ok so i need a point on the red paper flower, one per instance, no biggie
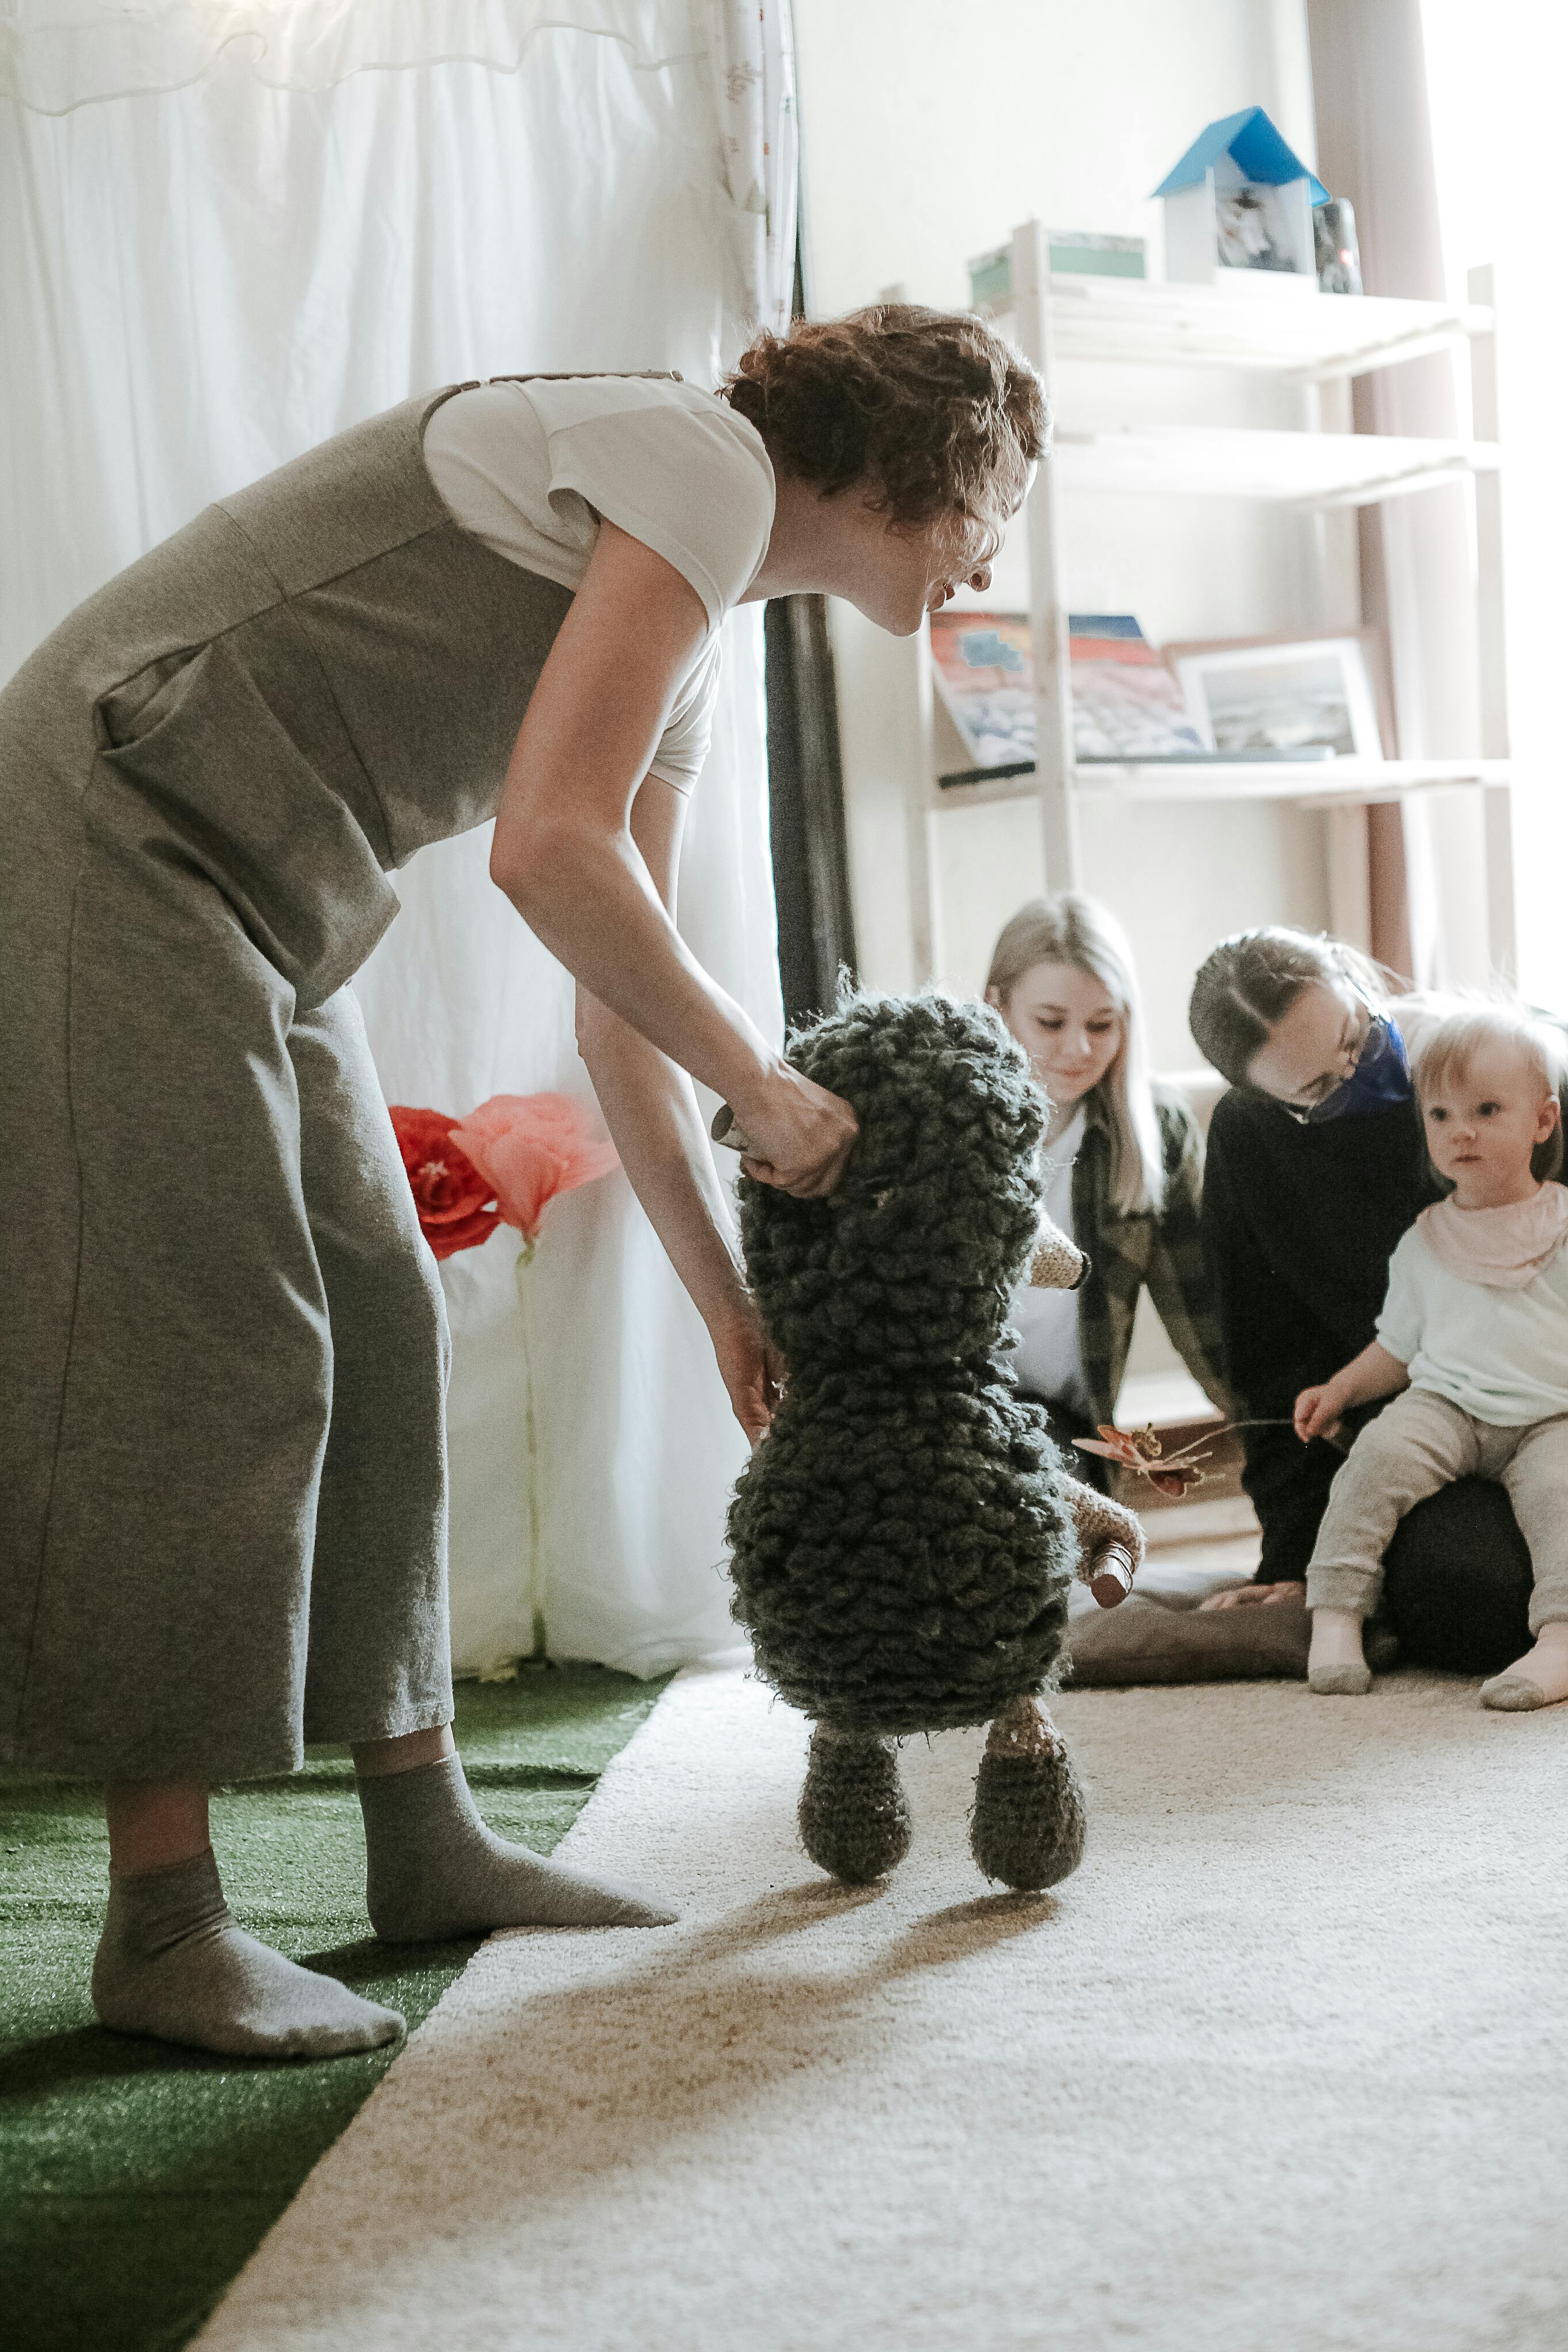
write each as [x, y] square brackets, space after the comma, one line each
[528, 1148]
[457, 1205]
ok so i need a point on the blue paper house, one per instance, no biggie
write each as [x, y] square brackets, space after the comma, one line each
[1240, 199]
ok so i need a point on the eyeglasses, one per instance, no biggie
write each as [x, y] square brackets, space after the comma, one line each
[1368, 1043]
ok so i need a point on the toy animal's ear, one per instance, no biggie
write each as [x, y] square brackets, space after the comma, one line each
[1056, 1264]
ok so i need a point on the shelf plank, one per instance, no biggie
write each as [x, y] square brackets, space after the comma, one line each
[1247, 323]
[1275, 468]
[1321, 782]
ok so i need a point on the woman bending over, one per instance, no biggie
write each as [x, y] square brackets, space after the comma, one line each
[1127, 1157]
[223, 1470]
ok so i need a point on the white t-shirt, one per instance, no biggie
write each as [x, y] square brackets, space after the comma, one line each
[532, 468]
[1048, 1361]
[1501, 1355]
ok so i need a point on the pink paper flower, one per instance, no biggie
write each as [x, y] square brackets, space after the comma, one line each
[528, 1148]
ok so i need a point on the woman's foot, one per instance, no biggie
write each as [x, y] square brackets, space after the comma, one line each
[172, 1963]
[435, 1871]
[1336, 1664]
[1538, 1679]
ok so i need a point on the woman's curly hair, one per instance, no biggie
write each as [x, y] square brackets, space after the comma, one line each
[931, 411]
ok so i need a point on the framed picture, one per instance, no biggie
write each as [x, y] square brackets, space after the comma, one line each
[984, 676]
[1285, 694]
[1126, 705]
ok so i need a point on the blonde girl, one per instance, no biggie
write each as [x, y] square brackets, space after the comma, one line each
[1127, 1157]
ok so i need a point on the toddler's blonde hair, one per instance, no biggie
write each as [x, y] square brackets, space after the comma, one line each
[1446, 1048]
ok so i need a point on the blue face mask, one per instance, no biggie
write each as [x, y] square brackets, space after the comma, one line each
[1381, 1079]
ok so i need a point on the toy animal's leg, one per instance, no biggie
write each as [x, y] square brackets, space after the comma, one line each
[853, 1822]
[1029, 1823]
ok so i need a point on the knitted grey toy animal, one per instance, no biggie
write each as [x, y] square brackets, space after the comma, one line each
[904, 1539]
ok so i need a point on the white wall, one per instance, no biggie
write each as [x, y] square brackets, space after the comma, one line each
[1496, 107]
[929, 131]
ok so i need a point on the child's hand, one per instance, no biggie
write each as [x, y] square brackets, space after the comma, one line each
[1317, 1411]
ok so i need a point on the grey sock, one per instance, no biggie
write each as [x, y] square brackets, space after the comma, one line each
[434, 1870]
[1350, 1681]
[1512, 1694]
[172, 1963]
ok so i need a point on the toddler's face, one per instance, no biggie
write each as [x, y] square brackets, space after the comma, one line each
[1483, 1122]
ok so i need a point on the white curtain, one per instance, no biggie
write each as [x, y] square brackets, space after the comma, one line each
[228, 230]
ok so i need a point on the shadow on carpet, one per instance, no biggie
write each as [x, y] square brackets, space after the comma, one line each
[135, 2179]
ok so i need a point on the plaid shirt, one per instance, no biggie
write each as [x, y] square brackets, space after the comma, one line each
[1128, 1254]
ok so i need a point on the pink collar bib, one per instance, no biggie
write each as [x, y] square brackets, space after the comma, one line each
[1504, 1248]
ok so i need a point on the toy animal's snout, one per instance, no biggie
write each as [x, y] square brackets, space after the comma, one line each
[1056, 1264]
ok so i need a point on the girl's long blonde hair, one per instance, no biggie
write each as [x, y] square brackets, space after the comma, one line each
[1071, 928]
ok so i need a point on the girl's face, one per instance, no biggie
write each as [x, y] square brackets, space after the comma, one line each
[1482, 1125]
[1068, 1024]
[1314, 1046]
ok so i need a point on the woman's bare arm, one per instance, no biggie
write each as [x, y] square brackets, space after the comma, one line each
[653, 1114]
[565, 855]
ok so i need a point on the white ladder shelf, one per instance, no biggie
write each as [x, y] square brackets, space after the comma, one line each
[1313, 338]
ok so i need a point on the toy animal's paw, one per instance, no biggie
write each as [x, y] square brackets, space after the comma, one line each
[853, 1822]
[1028, 1824]
[1100, 1521]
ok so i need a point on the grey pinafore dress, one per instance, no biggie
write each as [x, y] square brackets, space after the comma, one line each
[222, 1452]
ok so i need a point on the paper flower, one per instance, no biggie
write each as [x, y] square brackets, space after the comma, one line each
[456, 1201]
[528, 1148]
[1141, 1450]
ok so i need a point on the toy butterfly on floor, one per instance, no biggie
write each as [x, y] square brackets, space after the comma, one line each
[1168, 1474]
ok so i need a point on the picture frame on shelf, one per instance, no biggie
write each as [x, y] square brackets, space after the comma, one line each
[1126, 705]
[1302, 691]
[983, 671]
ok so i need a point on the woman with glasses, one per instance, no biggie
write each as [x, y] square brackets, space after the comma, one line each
[1316, 1167]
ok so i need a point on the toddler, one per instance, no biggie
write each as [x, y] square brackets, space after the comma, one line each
[1474, 1331]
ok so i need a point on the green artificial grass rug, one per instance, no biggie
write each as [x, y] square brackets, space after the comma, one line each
[135, 2179]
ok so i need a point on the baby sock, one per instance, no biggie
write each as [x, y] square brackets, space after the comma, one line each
[1538, 1679]
[1336, 1664]
[172, 1963]
[434, 1870]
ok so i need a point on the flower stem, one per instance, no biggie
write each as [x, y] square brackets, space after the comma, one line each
[532, 1470]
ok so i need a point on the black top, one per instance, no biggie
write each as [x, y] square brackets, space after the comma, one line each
[1298, 1224]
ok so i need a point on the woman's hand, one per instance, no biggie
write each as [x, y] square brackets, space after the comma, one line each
[751, 1370]
[799, 1136]
[1245, 1596]
[1318, 1411]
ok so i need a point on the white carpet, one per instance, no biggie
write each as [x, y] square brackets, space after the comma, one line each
[1280, 2070]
